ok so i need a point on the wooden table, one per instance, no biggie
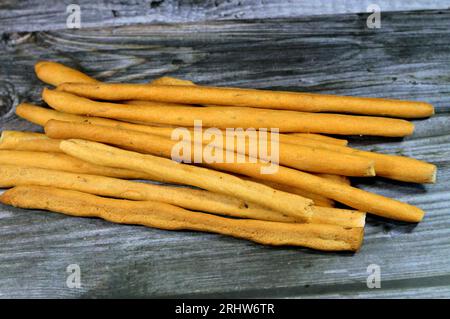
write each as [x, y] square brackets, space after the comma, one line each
[408, 57]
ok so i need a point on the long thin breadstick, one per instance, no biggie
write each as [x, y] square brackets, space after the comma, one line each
[322, 138]
[56, 73]
[63, 162]
[395, 167]
[39, 115]
[304, 102]
[28, 141]
[193, 199]
[304, 158]
[223, 117]
[351, 196]
[290, 204]
[166, 216]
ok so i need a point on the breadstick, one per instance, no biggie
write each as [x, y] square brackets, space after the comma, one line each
[28, 141]
[304, 158]
[193, 199]
[294, 101]
[63, 162]
[56, 73]
[290, 204]
[39, 115]
[166, 216]
[322, 138]
[226, 117]
[395, 167]
[348, 195]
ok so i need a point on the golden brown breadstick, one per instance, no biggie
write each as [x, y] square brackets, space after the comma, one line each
[40, 116]
[289, 204]
[166, 216]
[304, 158]
[322, 138]
[227, 117]
[63, 162]
[28, 141]
[351, 196]
[305, 102]
[193, 199]
[395, 167]
[56, 73]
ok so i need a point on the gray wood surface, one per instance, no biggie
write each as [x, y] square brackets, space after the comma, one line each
[407, 58]
[38, 15]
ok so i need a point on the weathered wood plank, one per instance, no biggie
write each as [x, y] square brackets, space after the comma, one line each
[316, 54]
[35, 15]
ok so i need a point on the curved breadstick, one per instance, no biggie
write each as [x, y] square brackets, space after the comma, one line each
[351, 196]
[63, 162]
[304, 102]
[166, 216]
[28, 141]
[226, 117]
[56, 73]
[304, 158]
[193, 199]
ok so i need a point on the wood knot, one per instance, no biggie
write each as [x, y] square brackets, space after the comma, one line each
[8, 98]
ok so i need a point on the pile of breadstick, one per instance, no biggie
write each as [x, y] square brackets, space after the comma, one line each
[102, 141]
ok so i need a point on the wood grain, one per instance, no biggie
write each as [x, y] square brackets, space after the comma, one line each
[36, 15]
[407, 58]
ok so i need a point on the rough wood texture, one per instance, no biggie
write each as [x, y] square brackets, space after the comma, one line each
[37, 15]
[407, 58]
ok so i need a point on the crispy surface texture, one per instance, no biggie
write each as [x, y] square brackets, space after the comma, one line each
[300, 157]
[346, 194]
[225, 117]
[63, 162]
[28, 141]
[192, 199]
[305, 102]
[289, 204]
[169, 217]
